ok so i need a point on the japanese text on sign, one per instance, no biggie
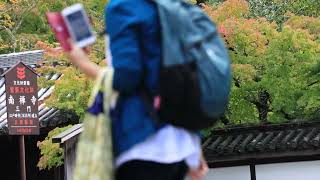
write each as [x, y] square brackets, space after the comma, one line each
[22, 100]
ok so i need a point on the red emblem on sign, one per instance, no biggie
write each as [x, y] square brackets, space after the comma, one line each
[21, 74]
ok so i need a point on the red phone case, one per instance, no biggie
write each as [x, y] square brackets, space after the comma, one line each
[59, 28]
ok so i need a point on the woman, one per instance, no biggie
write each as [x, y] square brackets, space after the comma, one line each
[143, 147]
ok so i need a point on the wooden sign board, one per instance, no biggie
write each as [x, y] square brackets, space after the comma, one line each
[22, 100]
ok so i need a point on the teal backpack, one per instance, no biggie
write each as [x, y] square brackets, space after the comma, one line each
[195, 75]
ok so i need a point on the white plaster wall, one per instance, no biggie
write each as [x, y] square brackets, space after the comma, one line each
[306, 170]
[229, 173]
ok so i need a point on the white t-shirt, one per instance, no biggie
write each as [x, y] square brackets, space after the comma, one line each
[169, 145]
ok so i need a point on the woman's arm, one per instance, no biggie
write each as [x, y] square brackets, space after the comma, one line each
[80, 59]
[122, 25]
[198, 174]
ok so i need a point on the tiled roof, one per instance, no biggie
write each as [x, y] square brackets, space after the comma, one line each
[28, 58]
[47, 116]
[263, 142]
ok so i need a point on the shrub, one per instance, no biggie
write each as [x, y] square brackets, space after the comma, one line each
[311, 24]
[51, 153]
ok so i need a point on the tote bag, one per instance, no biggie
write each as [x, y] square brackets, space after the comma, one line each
[94, 158]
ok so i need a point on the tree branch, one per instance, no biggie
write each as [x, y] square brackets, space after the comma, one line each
[313, 83]
[24, 14]
[12, 36]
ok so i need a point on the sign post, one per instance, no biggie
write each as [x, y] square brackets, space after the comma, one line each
[22, 158]
[22, 105]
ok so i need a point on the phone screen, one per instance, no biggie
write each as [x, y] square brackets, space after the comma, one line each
[79, 26]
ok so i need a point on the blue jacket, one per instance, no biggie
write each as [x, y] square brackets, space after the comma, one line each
[134, 32]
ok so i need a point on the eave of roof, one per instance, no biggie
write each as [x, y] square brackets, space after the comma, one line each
[27, 57]
[68, 134]
[263, 144]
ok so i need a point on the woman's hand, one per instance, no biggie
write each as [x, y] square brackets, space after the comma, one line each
[198, 174]
[79, 58]
[77, 54]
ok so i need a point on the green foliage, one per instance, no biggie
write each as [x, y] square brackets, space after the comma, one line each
[275, 73]
[44, 83]
[23, 22]
[211, 2]
[305, 7]
[51, 153]
[310, 24]
[39, 25]
[229, 9]
[71, 92]
[73, 89]
[241, 109]
[275, 10]
[290, 57]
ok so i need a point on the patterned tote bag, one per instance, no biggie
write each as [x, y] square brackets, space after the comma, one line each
[94, 159]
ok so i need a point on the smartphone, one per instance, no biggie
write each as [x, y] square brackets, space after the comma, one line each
[78, 25]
